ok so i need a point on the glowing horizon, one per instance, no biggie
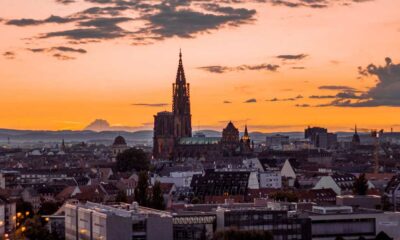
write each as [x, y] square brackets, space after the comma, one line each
[274, 66]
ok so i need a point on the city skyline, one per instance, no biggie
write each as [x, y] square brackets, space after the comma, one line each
[274, 65]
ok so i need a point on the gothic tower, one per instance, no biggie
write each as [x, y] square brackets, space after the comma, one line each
[169, 127]
[181, 104]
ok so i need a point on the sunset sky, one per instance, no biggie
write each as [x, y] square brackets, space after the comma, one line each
[277, 65]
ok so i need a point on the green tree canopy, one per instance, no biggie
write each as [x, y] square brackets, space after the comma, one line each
[133, 159]
[48, 208]
[284, 196]
[360, 186]
[157, 200]
[141, 196]
[121, 197]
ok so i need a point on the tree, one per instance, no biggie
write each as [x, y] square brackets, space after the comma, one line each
[33, 229]
[133, 159]
[141, 189]
[383, 236]
[48, 208]
[235, 234]
[157, 199]
[360, 186]
[284, 196]
[121, 197]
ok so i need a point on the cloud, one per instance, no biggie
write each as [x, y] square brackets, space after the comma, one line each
[227, 102]
[386, 92]
[224, 69]
[59, 48]
[336, 88]
[69, 49]
[215, 69]
[284, 99]
[251, 100]
[157, 20]
[63, 57]
[321, 96]
[292, 57]
[23, 22]
[185, 23]
[150, 104]
[303, 105]
[98, 28]
[298, 68]
[60, 51]
[9, 55]
[65, 1]
[316, 4]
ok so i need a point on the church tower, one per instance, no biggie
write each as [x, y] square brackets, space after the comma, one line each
[181, 104]
[170, 127]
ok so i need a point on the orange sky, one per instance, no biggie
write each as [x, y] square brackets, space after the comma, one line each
[39, 91]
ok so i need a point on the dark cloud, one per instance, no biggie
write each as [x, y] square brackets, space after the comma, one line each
[386, 92]
[322, 96]
[69, 49]
[316, 4]
[336, 88]
[9, 55]
[227, 102]
[150, 104]
[60, 51]
[23, 22]
[98, 28]
[285, 99]
[159, 20]
[292, 57]
[224, 69]
[303, 105]
[65, 1]
[251, 100]
[170, 21]
[59, 48]
[298, 68]
[63, 57]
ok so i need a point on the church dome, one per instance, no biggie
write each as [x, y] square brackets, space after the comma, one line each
[119, 141]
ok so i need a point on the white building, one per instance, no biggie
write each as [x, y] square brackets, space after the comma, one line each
[180, 179]
[287, 170]
[7, 216]
[340, 183]
[122, 222]
[270, 179]
[329, 222]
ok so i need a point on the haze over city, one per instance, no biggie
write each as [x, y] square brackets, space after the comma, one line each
[274, 65]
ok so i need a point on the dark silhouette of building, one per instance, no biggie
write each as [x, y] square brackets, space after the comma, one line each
[170, 127]
[173, 131]
[230, 139]
[356, 138]
[320, 137]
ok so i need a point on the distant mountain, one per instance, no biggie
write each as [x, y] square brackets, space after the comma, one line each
[107, 137]
[100, 125]
[19, 136]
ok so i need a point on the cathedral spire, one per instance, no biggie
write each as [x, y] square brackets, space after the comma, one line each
[246, 136]
[180, 75]
[181, 103]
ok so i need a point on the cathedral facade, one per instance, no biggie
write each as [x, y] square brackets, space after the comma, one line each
[173, 131]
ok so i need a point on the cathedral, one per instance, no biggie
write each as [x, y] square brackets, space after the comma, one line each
[173, 131]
